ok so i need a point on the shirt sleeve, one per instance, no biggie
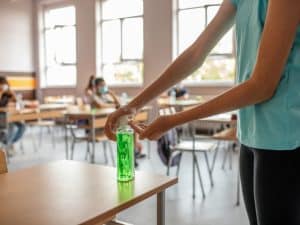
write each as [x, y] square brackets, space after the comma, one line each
[235, 2]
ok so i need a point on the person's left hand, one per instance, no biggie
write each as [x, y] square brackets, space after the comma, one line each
[154, 130]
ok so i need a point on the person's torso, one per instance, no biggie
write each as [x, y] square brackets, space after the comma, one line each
[5, 98]
[274, 123]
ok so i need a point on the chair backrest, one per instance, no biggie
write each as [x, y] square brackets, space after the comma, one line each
[165, 143]
[3, 165]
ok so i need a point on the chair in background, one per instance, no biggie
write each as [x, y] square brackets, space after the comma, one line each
[3, 164]
[143, 117]
[49, 125]
[228, 136]
[192, 145]
[80, 133]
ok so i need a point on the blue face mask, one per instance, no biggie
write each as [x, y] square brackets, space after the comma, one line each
[103, 90]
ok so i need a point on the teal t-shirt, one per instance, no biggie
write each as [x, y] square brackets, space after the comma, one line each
[274, 124]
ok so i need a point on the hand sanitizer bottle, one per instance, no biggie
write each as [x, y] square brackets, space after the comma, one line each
[125, 151]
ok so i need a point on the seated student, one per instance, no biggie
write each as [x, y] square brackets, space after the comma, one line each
[98, 94]
[180, 91]
[15, 129]
[105, 98]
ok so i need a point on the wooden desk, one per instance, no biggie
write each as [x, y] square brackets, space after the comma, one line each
[165, 102]
[71, 193]
[30, 115]
[44, 107]
[44, 111]
[96, 119]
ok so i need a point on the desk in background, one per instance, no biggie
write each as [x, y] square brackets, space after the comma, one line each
[95, 119]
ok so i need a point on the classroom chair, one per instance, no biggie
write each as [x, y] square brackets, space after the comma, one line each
[192, 145]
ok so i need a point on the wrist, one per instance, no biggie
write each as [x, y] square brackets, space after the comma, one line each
[127, 110]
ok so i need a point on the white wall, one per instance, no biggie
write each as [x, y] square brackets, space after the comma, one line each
[16, 36]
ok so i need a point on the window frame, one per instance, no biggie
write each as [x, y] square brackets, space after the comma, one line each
[202, 83]
[45, 9]
[100, 23]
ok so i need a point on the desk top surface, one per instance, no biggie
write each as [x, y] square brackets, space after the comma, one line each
[68, 192]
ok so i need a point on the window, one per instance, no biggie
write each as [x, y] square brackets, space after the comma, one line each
[192, 18]
[122, 41]
[60, 47]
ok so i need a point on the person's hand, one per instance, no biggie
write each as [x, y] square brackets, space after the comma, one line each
[156, 129]
[112, 122]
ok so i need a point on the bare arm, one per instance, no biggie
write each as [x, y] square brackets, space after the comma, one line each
[115, 98]
[280, 29]
[183, 66]
[192, 58]
[278, 36]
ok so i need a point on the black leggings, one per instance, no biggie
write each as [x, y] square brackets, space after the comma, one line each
[271, 186]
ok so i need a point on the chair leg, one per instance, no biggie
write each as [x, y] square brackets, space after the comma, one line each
[22, 146]
[215, 157]
[72, 149]
[225, 158]
[209, 169]
[105, 152]
[178, 168]
[33, 140]
[40, 136]
[53, 137]
[169, 166]
[199, 176]
[194, 175]
[87, 150]
[149, 149]
[230, 147]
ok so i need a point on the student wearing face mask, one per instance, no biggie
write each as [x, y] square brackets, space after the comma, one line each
[103, 97]
[15, 129]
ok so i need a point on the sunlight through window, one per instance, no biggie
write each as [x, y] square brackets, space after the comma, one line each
[60, 46]
[122, 41]
[193, 17]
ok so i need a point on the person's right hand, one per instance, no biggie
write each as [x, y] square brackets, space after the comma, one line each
[112, 122]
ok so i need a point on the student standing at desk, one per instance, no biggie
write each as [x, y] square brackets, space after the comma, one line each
[267, 94]
[15, 129]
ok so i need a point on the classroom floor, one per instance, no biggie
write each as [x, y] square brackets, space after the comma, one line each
[217, 209]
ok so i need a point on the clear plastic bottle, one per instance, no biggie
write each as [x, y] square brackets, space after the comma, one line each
[125, 151]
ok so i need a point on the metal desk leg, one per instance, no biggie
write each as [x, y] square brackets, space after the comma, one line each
[194, 175]
[161, 208]
[149, 148]
[93, 139]
[66, 138]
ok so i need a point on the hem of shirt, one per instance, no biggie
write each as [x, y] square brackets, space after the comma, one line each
[269, 147]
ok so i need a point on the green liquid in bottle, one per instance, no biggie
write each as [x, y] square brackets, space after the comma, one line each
[125, 154]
